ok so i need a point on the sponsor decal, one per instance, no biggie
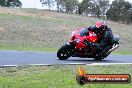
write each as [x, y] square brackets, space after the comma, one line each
[83, 78]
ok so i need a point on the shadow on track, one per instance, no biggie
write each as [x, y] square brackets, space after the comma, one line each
[85, 60]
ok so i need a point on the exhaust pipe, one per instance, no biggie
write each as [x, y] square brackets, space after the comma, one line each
[113, 48]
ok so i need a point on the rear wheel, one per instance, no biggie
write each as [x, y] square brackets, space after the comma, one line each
[102, 54]
[65, 52]
[99, 58]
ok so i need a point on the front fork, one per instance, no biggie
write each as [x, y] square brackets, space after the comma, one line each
[71, 47]
[70, 44]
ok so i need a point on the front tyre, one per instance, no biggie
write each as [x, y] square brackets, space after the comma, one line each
[65, 52]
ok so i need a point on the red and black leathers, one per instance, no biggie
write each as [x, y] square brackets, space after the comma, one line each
[105, 36]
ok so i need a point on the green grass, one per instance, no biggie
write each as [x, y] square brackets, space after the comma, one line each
[48, 49]
[28, 45]
[57, 21]
[58, 76]
[16, 16]
[26, 48]
[49, 32]
[122, 52]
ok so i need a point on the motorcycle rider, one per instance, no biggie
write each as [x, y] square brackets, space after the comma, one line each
[105, 36]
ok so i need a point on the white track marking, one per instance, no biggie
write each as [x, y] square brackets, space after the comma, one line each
[93, 64]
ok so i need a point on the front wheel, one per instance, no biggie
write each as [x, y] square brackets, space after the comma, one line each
[65, 52]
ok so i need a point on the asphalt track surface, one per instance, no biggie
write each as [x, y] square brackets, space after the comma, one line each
[50, 58]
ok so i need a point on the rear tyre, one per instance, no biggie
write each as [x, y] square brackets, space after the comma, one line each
[99, 58]
[65, 52]
[101, 55]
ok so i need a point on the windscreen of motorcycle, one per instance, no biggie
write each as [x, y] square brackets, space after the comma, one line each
[84, 32]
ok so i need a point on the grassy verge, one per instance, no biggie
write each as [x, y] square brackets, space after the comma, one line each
[46, 49]
[59, 76]
[49, 31]
[122, 52]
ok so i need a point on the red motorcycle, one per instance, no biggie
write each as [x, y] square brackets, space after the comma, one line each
[77, 47]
